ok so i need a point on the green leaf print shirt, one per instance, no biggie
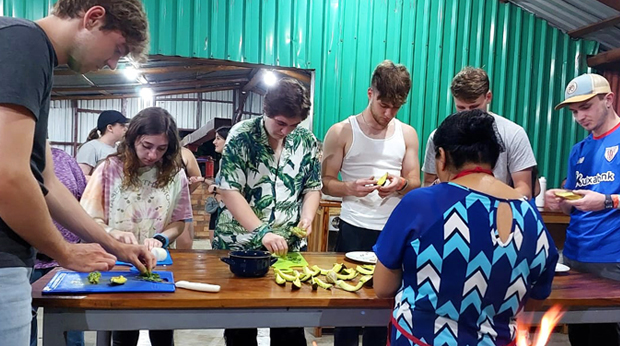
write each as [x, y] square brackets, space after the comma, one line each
[274, 190]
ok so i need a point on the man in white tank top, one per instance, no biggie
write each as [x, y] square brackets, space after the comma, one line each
[363, 148]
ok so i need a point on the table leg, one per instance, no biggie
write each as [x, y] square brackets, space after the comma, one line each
[104, 338]
[53, 332]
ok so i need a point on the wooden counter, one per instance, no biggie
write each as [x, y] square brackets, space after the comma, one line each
[556, 223]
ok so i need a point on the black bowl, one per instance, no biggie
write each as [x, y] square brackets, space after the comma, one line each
[249, 263]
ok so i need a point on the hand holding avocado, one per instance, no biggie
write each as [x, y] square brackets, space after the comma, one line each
[361, 187]
[391, 184]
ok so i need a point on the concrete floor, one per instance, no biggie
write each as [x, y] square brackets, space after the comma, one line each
[214, 337]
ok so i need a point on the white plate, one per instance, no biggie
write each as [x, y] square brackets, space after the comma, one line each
[362, 256]
[561, 268]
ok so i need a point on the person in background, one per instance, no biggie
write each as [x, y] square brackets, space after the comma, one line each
[470, 89]
[454, 254]
[269, 182]
[361, 149]
[192, 171]
[593, 234]
[70, 175]
[85, 35]
[213, 204]
[141, 195]
[101, 141]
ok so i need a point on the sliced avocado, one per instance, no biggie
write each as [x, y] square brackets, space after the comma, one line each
[279, 279]
[118, 280]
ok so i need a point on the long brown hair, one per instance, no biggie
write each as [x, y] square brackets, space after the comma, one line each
[150, 121]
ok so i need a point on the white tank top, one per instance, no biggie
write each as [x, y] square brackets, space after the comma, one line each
[371, 157]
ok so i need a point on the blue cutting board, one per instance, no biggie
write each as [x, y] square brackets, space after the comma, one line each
[74, 282]
[165, 262]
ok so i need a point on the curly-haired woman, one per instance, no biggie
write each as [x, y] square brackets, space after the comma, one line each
[141, 194]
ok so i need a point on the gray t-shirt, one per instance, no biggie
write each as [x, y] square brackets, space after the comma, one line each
[94, 151]
[518, 155]
[27, 61]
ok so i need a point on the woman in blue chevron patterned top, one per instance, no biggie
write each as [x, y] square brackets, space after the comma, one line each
[462, 257]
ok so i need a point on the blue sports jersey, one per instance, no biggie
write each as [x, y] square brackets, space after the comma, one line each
[594, 236]
[461, 284]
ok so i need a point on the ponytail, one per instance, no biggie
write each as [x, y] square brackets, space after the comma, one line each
[93, 134]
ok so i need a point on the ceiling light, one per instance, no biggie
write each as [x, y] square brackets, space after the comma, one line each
[269, 78]
[131, 73]
[146, 93]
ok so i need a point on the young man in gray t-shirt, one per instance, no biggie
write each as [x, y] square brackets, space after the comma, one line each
[470, 89]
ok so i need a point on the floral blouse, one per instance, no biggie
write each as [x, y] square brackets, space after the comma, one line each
[144, 211]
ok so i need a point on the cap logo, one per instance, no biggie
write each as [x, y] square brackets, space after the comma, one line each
[571, 88]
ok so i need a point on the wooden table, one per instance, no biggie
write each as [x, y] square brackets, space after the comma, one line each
[241, 303]
[554, 217]
[260, 302]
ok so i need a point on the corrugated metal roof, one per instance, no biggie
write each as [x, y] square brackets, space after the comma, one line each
[569, 15]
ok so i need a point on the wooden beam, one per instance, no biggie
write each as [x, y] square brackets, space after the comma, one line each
[295, 72]
[297, 75]
[204, 68]
[611, 3]
[154, 86]
[608, 57]
[588, 29]
[256, 76]
[136, 95]
[92, 111]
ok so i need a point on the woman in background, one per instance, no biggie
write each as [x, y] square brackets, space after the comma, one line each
[70, 175]
[101, 141]
[190, 165]
[462, 257]
[141, 194]
[212, 204]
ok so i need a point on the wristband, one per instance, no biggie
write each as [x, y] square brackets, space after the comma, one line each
[163, 239]
[404, 185]
[616, 200]
[261, 230]
[609, 203]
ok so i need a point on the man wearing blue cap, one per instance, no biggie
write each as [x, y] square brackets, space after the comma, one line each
[593, 235]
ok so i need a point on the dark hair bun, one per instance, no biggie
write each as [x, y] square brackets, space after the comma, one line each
[469, 137]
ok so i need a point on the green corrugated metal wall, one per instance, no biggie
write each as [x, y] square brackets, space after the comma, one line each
[529, 61]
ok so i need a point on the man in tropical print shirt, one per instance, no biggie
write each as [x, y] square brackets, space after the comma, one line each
[270, 182]
[270, 176]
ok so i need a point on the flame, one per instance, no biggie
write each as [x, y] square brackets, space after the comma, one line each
[549, 320]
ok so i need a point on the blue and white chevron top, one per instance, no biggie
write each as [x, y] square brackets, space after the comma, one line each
[461, 284]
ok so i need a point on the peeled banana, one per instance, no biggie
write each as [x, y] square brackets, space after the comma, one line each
[348, 287]
[279, 279]
[316, 282]
[349, 274]
[296, 284]
[299, 232]
[285, 276]
[568, 195]
[382, 180]
[365, 271]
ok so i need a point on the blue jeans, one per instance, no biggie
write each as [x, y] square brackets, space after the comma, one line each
[15, 308]
[73, 337]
